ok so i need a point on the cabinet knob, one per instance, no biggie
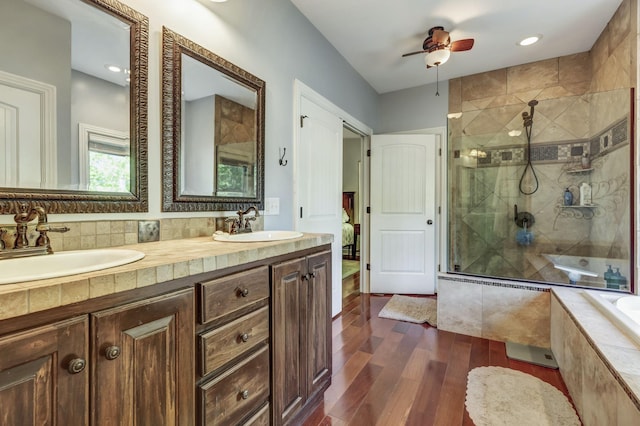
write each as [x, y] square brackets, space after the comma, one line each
[112, 352]
[76, 365]
[309, 275]
[244, 292]
[244, 337]
[244, 394]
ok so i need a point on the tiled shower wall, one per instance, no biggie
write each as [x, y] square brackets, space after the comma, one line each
[570, 119]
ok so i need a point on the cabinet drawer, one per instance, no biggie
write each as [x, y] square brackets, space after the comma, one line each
[240, 390]
[223, 344]
[261, 418]
[232, 293]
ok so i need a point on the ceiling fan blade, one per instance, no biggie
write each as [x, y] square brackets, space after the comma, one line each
[440, 36]
[414, 53]
[461, 45]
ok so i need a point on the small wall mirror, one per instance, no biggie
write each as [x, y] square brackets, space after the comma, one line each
[213, 130]
[73, 106]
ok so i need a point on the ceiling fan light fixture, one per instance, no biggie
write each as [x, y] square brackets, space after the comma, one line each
[437, 57]
[528, 41]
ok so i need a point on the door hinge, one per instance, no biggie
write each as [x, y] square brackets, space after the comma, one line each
[438, 268]
[300, 212]
[368, 210]
[440, 152]
[368, 267]
[439, 210]
[368, 153]
[302, 117]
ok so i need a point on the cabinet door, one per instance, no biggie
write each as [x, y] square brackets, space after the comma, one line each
[288, 325]
[144, 363]
[318, 354]
[43, 379]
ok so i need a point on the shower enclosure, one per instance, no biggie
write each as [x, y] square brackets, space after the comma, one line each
[509, 212]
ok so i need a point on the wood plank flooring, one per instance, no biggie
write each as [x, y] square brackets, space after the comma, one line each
[388, 372]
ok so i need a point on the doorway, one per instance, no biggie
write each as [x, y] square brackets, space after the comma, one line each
[318, 140]
[352, 150]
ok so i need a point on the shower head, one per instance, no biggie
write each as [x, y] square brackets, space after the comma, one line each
[532, 103]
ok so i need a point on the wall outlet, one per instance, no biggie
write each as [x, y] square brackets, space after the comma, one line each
[148, 231]
[271, 206]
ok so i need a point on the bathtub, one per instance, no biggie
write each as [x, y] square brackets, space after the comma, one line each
[622, 310]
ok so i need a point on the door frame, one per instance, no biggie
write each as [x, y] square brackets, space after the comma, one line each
[301, 90]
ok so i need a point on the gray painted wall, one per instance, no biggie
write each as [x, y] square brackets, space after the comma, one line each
[274, 41]
[413, 109]
[42, 52]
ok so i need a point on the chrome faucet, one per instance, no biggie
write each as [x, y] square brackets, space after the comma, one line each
[241, 224]
[21, 246]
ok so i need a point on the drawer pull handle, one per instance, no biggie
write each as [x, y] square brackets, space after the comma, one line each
[244, 394]
[76, 365]
[112, 352]
[244, 337]
[244, 292]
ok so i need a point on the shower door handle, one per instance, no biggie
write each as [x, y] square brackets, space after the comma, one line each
[429, 222]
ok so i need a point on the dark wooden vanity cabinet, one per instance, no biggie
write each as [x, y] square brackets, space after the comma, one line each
[43, 375]
[249, 344]
[301, 334]
[233, 348]
[132, 364]
[143, 362]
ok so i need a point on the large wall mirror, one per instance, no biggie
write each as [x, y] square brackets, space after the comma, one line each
[213, 130]
[73, 106]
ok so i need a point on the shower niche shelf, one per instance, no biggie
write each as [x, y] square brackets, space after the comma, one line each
[577, 206]
[579, 171]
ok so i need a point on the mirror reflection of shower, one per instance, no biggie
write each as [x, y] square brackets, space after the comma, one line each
[523, 186]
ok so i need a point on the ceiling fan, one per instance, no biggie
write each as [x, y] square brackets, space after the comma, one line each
[438, 46]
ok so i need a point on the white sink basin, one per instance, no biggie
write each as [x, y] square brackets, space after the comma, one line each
[64, 263]
[257, 236]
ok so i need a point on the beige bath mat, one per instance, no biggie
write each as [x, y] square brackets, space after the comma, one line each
[502, 396]
[411, 309]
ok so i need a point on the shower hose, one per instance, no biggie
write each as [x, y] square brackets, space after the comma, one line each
[527, 130]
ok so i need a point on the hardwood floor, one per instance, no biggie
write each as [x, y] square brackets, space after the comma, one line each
[388, 372]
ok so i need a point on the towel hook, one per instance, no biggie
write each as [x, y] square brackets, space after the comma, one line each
[282, 161]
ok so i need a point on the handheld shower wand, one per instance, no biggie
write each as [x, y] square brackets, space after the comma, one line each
[528, 125]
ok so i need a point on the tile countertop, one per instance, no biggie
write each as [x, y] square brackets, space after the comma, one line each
[163, 261]
[618, 351]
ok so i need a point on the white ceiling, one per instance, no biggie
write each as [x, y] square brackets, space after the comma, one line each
[372, 35]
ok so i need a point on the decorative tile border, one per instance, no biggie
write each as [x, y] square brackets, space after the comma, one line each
[495, 283]
[613, 137]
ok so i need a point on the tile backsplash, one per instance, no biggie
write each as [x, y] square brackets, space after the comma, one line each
[113, 233]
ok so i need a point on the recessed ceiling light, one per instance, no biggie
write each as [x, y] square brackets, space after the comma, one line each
[113, 68]
[454, 115]
[514, 133]
[529, 40]
[218, 1]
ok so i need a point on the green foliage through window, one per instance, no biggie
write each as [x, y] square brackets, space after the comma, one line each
[109, 172]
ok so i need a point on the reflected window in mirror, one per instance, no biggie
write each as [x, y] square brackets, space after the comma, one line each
[69, 65]
[213, 130]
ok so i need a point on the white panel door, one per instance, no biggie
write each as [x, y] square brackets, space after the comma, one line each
[403, 213]
[319, 183]
[20, 138]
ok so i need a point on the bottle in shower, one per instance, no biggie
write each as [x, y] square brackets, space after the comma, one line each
[585, 194]
[568, 197]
